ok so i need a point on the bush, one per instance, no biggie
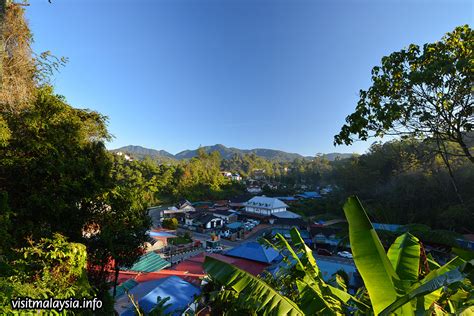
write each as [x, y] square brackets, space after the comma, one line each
[170, 223]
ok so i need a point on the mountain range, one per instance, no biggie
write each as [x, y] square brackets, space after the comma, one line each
[225, 152]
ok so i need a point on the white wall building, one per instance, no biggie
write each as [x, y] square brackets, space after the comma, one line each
[265, 205]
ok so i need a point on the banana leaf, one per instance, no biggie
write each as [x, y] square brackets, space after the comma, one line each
[434, 284]
[252, 291]
[404, 254]
[379, 276]
[316, 296]
[464, 254]
[308, 258]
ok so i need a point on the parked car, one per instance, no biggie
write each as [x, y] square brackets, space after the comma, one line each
[345, 254]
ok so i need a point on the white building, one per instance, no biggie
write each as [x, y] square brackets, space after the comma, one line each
[254, 189]
[265, 205]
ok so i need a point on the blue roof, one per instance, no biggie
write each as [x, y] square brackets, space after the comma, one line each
[160, 234]
[254, 251]
[234, 225]
[389, 227]
[180, 292]
[286, 198]
[309, 195]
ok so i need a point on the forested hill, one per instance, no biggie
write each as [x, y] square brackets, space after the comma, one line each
[225, 152]
[142, 152]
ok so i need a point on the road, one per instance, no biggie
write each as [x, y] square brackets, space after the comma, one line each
[335, 259]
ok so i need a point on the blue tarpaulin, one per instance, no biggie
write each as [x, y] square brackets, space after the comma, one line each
[180, 292]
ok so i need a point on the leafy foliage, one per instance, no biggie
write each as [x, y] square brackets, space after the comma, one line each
[419, 92]
[393, 282]
[52, 267]
[253, 292]
[170, 223]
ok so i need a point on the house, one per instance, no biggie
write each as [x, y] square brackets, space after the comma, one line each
[265, 206]
[236, 177]
[205, 221]
[149, 262]
[286, 198]
[227, 216]
[185, 206]
[178, 211]
[254, 189]
[286, 214]
[157, 240]
[181, 296]
[309, 195]
[195, 264]
[226, 174]
[255, 252]
[125, 156]
[288, 223]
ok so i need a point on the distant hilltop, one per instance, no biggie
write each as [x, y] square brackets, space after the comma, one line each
[225, 152]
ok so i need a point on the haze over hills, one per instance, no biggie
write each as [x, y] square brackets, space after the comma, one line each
[225, 152]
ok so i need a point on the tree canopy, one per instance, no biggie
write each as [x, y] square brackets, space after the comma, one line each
[420, 92]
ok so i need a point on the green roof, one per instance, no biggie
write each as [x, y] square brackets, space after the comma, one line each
[125, 286]
[150, 262]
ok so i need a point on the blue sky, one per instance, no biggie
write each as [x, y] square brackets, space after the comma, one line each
[176, 74]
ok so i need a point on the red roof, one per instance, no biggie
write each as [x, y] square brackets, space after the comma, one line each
[143, 277]
[194, 264]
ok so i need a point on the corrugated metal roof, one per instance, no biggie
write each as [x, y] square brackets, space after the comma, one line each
[125, 286]
[180, 292]
[254, 251]
[150, 262]
[265, 202]
[286, 214]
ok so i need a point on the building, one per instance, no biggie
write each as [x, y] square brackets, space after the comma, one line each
[178, 211]
[204, 221]
[227, 216]
[309, 195]
[265, 206]
[149, 262]
[255, 252]
[236, 177]
[181, 296]
[254, 189]
[157, 240]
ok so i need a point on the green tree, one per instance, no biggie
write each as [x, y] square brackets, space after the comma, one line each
[51, 267]
[420, 92]
[54, 163]
[121, 222]
[170, 223]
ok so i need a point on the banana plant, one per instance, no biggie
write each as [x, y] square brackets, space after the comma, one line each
[392, 280]
[250, 291]
[396, 282]
[313, 295]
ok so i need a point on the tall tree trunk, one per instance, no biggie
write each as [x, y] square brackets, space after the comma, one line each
[116, 279]
[444, 155]
[3, 5]
[464, 147]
